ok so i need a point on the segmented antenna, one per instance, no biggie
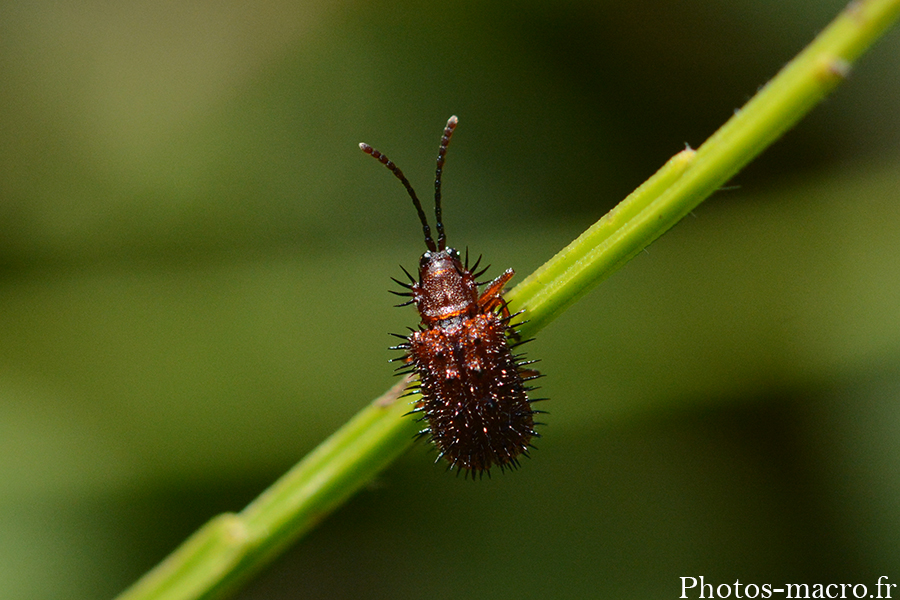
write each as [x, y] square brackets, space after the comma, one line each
[412, 193]
[445, 141]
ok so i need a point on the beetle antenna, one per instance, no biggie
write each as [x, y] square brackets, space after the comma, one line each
[445, 141]
[412, 193]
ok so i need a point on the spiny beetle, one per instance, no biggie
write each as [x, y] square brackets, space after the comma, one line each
[474, 395]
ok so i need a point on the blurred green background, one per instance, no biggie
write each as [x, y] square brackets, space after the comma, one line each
[194, 264]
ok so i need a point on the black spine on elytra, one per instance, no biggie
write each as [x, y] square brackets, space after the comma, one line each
[442, 151]
[412, 193]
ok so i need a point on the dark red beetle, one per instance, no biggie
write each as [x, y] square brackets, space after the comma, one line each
[474, 395]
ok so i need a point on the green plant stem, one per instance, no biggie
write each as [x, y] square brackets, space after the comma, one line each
[232, 547]
[689, 178]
